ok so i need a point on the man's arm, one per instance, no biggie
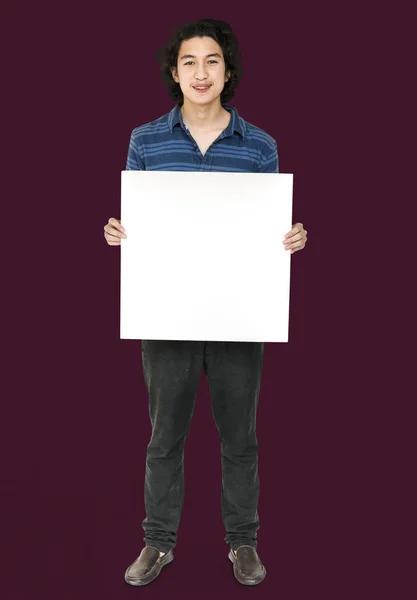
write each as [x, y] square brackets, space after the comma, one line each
[114, 230]
[134, 160]
[269, 163]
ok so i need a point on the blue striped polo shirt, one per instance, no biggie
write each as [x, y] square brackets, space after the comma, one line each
[166, 145]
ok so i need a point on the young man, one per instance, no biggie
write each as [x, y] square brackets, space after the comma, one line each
[201, 65]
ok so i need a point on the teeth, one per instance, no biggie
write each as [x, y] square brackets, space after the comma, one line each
[202, 88]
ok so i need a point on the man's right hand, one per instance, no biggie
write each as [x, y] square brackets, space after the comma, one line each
[113, 232]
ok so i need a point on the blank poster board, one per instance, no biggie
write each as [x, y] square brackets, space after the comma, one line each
[204, 258]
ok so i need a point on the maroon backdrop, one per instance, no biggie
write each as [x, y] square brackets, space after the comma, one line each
[80, 78]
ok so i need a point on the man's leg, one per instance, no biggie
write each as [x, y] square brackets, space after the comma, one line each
[233, 371]
[172, 371]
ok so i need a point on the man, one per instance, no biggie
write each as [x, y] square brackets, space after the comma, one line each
[201, 65]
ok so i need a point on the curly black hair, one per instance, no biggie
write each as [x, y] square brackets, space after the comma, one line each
[222, 33]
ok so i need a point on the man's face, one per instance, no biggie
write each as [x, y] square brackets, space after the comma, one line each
[200, 63]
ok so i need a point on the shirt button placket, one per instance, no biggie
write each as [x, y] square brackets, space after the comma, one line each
[204, 161]
[195, 144]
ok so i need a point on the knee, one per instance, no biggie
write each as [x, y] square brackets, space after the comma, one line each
[165, 444]
[239, 446]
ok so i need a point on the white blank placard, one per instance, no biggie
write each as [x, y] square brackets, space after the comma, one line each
[204, 258]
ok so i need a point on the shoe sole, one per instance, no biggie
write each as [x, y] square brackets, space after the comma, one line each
[169, 557]
[245, 580]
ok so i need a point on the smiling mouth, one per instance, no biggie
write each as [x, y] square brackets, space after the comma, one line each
[201, 88]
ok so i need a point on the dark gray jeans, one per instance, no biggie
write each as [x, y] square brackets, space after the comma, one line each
[172, 371]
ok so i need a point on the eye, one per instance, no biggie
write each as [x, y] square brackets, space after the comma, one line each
[191, 61]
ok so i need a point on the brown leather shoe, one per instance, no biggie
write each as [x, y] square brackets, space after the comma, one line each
[147, 566]
[247, 566]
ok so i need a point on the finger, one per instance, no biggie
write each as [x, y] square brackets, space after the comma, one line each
[114, 232]
[296, 229]
[112, 238]
[296, 249]
[294, 238]
[297, 245]
[116, 223]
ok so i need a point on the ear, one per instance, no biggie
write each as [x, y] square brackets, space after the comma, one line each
[174, 74]
[227, 76]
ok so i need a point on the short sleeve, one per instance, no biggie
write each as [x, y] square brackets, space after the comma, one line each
[134, 160]
[269, 163]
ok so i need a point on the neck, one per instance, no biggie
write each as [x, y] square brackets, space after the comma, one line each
[203, 117]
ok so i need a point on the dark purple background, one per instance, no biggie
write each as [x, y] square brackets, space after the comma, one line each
[79, 78]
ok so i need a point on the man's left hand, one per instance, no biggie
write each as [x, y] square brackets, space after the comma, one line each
[296, 238]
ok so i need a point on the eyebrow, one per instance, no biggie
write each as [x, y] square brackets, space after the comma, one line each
[192, 55]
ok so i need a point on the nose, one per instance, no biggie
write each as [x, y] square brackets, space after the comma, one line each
[200, 72]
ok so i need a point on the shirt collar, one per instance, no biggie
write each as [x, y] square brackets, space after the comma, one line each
[236, 122]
